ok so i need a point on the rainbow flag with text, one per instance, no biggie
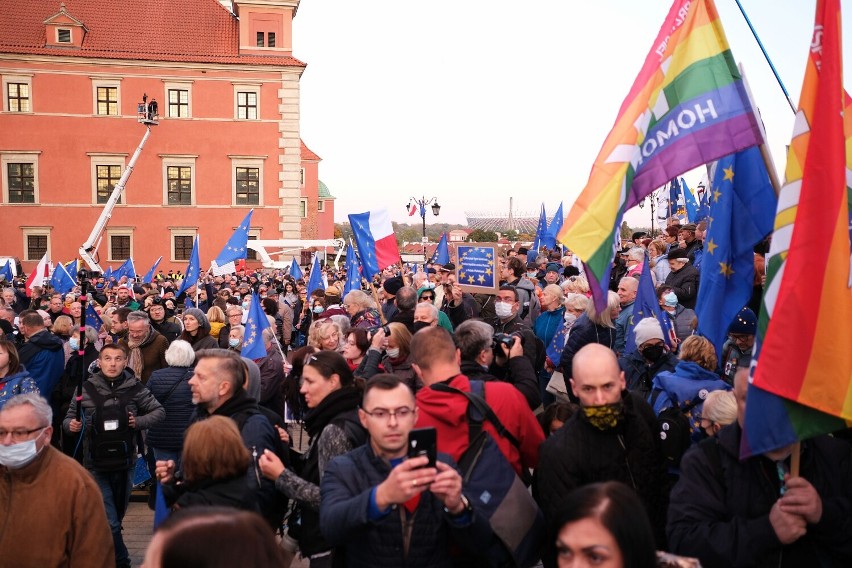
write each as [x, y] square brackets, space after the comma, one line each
[687, 107]
[802, 376]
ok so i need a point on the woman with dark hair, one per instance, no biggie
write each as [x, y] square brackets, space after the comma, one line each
[355, 347]
[390, 354]
[604, 524]
[213, 537]
[213, 468]
[334, 428]
[14, 378]
[196, 330]
[555, 416]
[270, 308]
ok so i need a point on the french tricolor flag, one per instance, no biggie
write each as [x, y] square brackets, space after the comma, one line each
[376, 240]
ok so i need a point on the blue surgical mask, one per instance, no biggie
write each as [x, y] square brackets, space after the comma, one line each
[670, 299]
[246, 306]
[18, 455]
[74, 343]
[531, 274]
[233, 342]
[318, 309]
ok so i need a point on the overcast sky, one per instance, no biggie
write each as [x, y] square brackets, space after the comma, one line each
[477, 101]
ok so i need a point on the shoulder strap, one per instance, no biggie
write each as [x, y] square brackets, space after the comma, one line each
[171, 390]
[481, 406]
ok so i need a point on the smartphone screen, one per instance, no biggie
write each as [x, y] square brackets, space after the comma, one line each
[423, 442]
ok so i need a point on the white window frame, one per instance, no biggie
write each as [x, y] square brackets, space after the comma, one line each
[21, 157]
[246, 162]
[303, 206]
[321, 205]
[99, 82]
[118, 232]
[178, 160]
[35, 232]
[98, 159]
[246, 88]
[180, 86]
[180, 232]
[25, 79]
[70, 35]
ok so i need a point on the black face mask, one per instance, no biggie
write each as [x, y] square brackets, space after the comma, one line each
[653, 353]
[418, 325]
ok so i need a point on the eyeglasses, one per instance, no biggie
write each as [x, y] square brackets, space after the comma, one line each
[384, 414]
[19, 435]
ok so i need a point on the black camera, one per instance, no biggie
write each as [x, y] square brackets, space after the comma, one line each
[372, 331]
[507, 339]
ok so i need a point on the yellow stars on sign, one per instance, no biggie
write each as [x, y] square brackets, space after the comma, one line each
[489, 255]
[470, 279]
[711, 246]
[725, 269]
[461, 275]
[729, 173]
[488, 271]
[481, 279]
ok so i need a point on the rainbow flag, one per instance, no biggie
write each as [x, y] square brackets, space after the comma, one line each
[802, 379]
[687, 107]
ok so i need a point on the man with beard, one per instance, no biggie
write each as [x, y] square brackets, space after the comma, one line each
[147, 347]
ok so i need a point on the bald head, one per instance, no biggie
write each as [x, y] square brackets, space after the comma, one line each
[627, 287]
[596, 377]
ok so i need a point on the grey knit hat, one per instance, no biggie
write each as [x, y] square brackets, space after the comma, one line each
[203, 322]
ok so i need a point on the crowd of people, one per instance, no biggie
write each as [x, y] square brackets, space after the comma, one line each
[163, 381]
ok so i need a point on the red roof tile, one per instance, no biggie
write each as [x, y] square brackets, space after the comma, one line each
[158, 30]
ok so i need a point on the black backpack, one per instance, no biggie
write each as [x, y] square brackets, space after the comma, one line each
[112, 444]
[674, 430]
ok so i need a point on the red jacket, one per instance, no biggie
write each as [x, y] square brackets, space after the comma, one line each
[447, 412]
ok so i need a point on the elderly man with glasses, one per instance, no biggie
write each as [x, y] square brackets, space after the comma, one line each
[53, 513]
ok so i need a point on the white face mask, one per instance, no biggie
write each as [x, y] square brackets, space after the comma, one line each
[570, 318]
[18, 455]
[393, 353]
[503, 310]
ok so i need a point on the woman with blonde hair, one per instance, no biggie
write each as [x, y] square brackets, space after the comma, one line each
[63, 328]
[591, 327]
[576, 285]
[720, 409]
[213, 468]
[693, 378]
[217, 320]
[325, 335]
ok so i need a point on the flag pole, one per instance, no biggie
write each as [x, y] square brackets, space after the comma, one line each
[766, 56]
[795, 459]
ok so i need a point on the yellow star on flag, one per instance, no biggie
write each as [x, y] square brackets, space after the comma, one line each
[470, 279]
[729, 173]
[711, 246]
[716, 195]
[725, 268]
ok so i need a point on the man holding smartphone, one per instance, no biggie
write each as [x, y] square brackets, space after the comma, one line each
[371, 494]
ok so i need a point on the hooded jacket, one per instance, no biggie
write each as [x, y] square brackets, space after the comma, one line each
[447, 413]
[681, 386]
[639, 376]
[15, 384]
[44, 357]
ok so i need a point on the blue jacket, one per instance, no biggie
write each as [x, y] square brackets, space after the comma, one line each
[621, 327]
[18, 383]
[547, 323]
[346, 493]
[168, 434]
[681, 386]
[44, 357]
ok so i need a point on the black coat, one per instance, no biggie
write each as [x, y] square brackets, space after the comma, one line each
[584, 332]
[520, 375]
[684, 282]
[231, 492]
[168, 434]
[639, 375]
[720, 506]
[578, 454]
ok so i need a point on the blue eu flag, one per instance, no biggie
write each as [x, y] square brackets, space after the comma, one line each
[540, 235]
[193, 270]
[256, 322]
[6, 271]
[92, 317]
[236, 247]
[644, 306]
[315, 279]
[296, 270]
[742, 213]
[353, 272]
[61, 280]
[442, 252]
[554, 228]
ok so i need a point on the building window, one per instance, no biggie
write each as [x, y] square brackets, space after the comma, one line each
[270, 42]
[119, 247]
[302, 176]
[303, 208]
[36, 246]
[63, 35]
[21, 182]
[107, 101]
[183, 246]
[260, 39]
[107, 177]
[246, 105]
[251, 254]
[178, 103]
[248, 186]
[18, 97]
[179, 181]
[320, 205]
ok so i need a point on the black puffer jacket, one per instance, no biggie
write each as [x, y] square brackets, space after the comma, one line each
[639, 375]
[346, 490]
[168, 434]
[584, 332]
[720, 506]
[579, 454]
[520, 375]
[684, 282]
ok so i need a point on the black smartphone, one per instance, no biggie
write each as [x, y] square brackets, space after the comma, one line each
[423, 442]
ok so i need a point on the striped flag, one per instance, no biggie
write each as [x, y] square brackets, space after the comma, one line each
[376, 241]
[802, 376]
[688, 106]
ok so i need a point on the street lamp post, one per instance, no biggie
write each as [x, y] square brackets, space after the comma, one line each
[653, 199]
[422, 203]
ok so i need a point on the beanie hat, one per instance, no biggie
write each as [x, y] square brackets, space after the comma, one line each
[553, 267]
[392, 285]
[203, 322]
[648, 329]
[744, 324]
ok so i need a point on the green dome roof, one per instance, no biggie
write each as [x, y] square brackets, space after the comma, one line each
[323, 192]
